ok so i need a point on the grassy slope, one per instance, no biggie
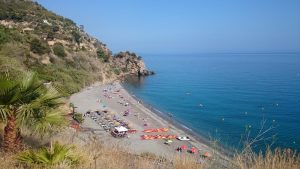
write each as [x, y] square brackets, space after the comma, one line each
[80, 65]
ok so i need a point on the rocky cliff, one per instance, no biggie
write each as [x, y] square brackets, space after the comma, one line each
[131, 63]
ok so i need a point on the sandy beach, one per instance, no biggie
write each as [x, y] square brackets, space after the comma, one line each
[114, 98]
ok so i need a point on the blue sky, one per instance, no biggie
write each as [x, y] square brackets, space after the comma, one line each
[187, 26]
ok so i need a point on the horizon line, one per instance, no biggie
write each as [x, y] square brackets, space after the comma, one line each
[195, 53]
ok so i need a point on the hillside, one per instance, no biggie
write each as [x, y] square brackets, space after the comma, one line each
[61, 52]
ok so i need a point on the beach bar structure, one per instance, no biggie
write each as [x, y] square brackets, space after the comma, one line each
[119, 131]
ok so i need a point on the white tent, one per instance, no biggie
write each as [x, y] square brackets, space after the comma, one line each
[121, 129]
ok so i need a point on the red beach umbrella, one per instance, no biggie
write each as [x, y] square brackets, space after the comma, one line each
[183, 147]
[193, 150]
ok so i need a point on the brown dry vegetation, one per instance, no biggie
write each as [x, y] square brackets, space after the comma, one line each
[96, 155]
[277, 159]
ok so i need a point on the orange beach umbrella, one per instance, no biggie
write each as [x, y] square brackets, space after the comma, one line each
[207, 154]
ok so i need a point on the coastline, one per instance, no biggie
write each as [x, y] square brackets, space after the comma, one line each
[179, 126]
[86, 100]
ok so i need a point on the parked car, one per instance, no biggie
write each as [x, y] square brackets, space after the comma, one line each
[183, 138]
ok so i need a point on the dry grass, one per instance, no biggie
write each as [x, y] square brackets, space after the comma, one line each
[186, 163]
[96, 155]
[276, 159]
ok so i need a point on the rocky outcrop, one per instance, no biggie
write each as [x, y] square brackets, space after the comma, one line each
[131, 63]
[145, 73]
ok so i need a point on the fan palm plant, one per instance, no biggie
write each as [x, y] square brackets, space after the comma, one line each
[56, 154]
[27, 103]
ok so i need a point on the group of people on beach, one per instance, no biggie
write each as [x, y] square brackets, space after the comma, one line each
[114, 92]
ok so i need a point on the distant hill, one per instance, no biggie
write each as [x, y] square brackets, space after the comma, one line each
[33, 38]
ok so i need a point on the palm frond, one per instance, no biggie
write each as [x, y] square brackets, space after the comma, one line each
[50, 122]
[50, 156]
[28, 157]
[51, 97]
[4, 112]
[44, 156]
[42, 100]
[8, 91]
[29, 81]
[60, 152]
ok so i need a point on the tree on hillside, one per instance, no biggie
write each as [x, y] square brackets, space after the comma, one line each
[59, 50]
[27, 103]
[102, 55]
[76, 37]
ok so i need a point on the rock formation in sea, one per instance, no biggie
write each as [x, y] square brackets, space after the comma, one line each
[131, 63]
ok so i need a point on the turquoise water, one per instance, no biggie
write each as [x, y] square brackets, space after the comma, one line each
[227, 95]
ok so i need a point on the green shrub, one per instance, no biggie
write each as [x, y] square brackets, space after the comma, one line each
[78, 117]
[102, 55]
[55, 28]
[8, 35]
[76, 37]
[38, 47]
[59, 50]
[4, 37]
[50, 35]
[116, 71]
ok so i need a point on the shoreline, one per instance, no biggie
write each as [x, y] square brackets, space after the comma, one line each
[178, 125]
[166, 118]
[87, 99]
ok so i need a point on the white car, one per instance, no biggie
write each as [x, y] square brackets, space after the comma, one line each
[183, 138]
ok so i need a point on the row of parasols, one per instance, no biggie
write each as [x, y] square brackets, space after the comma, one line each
[110, 117]
[156, 130]
[154, 137]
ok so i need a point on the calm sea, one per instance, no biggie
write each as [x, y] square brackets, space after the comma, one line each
[225, 96]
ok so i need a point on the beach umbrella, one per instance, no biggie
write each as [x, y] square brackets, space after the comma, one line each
[183, 147]
[107, 117]
[193, 150]
[129, 126]
[207, 154]
[116, 123]
[169, 141]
